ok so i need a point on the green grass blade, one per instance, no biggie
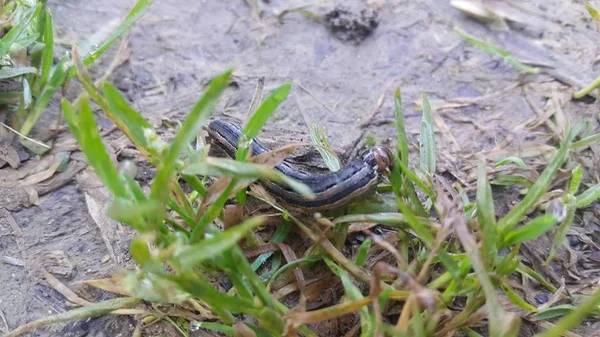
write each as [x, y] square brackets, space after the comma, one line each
[56, 81]
[594, 14]
[486, 215]
[265, 110]
[517, 300]
[508, 222]
[574, 318]
[132, 123]
[427, 139]
[95, 152]
[215, 244]
[14, 72]
[585, 141]
[576, 178]
[71, 118]
[511, 160]
[362, 252]
[15, 32]
[48, 53]
[190, 128]
[224, 167]
[402, 146]
[590, 195]
[140, 8]
[321, 143]
[490, 49]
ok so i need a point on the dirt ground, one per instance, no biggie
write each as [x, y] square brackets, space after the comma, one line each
[179, 45]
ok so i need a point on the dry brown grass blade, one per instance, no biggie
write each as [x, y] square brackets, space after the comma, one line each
[301, 318]
[113, 285]
[290, 256]
[4, 213]
[388, 246]
[242, 330]
[93, 310]
[98, 212]
[63, 289]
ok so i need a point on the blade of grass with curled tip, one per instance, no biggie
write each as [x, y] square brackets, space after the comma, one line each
[508, 222]
[319, 139]
[427, 139]
[486, 216]
[511, 160]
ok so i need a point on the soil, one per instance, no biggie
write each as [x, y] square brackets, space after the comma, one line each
[339, 69]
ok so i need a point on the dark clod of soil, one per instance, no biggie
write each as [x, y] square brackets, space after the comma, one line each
[352, 24]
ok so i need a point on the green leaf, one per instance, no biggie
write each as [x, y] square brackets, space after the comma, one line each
[531, 230]
[133, 123]
[402, 146]
[490, 49]
[590, 195]
[226, 329]
[576, 177]
[95, 152]
[486, 215]
[575, 317]
[216, 244]
[48, 49]
[140, 8]
[265, 110]
[225, 167]
[15, 32]
[511, 160]
[57, 79]
[190, 128]
[361, 256]
[427, 139]
[585, 141]
[593, 13]
[510, 220]
[14, 72]
[517, 300]
[329, 156]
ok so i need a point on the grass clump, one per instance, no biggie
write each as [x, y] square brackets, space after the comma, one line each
[453, 260]
[28, 68]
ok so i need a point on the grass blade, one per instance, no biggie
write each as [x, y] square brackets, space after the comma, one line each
[215, 245]
[531, 230]
[486, 215]
[590, 195]
[48, 52]
[427, 139]
[321, 143]
[224, 167]
[191, 126]
[14, 72]
[15, 32]
[508, 222]
[265, 110]
[490, 49]
[574, 318]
